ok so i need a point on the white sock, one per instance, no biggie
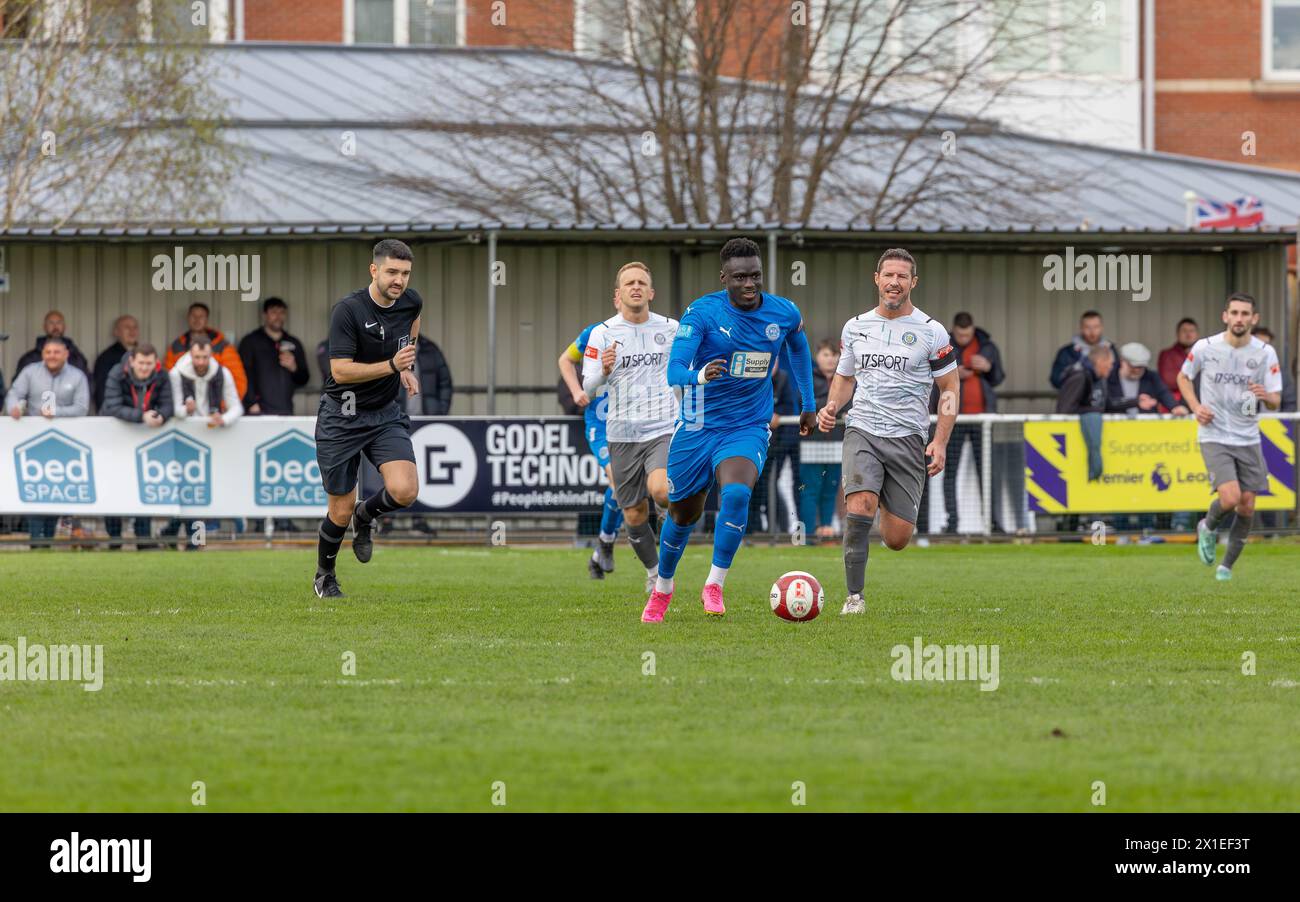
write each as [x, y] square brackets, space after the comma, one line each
[663, 585]
[608, 536]
[652, 571]
[716, 575]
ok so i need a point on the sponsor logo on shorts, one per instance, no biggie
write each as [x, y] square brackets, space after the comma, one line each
[773, 331]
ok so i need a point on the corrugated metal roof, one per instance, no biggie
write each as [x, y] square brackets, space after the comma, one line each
[289, 104]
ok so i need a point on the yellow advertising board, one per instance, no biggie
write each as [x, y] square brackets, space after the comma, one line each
[1148, 466]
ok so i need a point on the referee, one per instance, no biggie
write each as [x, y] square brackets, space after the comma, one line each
[372, 339]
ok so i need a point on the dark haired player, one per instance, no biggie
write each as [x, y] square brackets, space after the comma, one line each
[891, 357]
[723, 356]
[1238, 373]
[372, 339]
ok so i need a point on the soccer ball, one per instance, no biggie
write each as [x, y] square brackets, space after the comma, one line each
[796, 596]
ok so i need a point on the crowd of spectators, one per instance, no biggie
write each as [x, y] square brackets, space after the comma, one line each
[201, 375]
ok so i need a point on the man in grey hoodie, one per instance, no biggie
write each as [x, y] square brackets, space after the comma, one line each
[50, 387]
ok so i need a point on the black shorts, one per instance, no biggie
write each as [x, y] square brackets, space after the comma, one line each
[381, 435]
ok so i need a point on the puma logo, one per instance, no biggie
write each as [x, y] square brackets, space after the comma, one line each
[725, 331]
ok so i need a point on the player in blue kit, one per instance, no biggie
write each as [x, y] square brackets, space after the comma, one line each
[723, 358]
[611, 516]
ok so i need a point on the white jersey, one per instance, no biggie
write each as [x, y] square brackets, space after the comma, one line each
[895, 362]
[1225, 373]
[641, 405]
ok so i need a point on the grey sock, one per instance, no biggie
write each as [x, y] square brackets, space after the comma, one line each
[857, 542]
[644, 544]
[1214, 514]
[1237, 539]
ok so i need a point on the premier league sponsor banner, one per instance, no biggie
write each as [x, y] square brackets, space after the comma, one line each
[491, 465]
[1148, 466]
[97, 465]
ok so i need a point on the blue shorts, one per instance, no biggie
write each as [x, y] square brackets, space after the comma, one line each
[694, 455]
[597, 442]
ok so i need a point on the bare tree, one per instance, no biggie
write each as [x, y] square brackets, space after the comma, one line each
[871, 111]
[101, 126]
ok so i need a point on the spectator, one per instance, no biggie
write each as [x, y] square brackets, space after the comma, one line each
[1171, 358]
[819, 454]
[1076, 354]
[431, 369]
[778, 513]
[980, 370]
[54, 328]
[202, 387]
[126, 329]
[50, 387]
[1288, 373]
[138, 391]
[1133, 384]
[1084, 392]
[222, 350]
[275, 363]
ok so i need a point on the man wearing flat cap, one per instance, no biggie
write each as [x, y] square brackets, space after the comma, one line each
[1134, 384]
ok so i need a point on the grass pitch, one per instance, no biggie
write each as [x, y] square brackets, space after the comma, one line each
[477, 668]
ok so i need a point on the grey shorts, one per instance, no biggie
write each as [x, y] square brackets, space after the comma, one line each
[1243, 464]
[892, 468]
[632, 462]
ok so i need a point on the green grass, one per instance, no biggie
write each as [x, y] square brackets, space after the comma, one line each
[476, 666]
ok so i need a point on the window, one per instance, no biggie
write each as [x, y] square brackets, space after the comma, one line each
[125, 21]
[634, 29]
[420, 22]
[1281, 39]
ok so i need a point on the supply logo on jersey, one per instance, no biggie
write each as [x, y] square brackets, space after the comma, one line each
[750, 364]
[174, 469]
[287, 473]
[52, 467]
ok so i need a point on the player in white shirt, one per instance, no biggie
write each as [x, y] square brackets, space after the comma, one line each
[890, 359]
[1239, 372]
[629, 353]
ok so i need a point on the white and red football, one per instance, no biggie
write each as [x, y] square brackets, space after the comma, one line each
[796, 596]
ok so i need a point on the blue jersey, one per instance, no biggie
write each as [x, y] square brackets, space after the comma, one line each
[594, 414]
[748, 343]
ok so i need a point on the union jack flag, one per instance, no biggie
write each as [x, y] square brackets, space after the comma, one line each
[1241, 213]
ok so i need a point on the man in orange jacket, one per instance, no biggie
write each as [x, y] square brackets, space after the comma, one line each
[225, 353]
